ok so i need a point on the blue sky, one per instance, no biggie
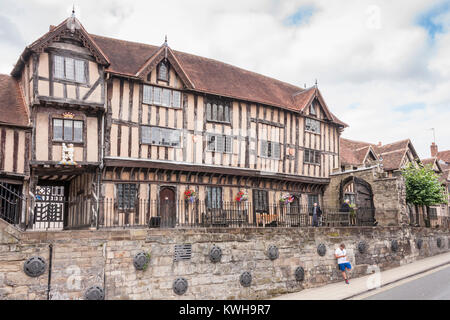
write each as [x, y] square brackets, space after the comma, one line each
[301, 16]
[427, 19]
[382, 66]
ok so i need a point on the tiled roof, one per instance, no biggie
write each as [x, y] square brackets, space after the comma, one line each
[444, 155]
[210, 76]
[353, 152]
[12, 105]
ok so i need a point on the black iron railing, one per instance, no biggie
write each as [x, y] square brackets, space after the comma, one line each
[45, 212]
[11, 204]
[170, 214]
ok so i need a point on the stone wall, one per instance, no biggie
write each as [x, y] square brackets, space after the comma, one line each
[389, 195]
[81, 259]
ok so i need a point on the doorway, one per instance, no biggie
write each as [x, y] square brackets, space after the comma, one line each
[167, 207]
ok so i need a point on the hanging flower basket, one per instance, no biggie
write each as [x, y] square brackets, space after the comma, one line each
[286, 198]
[190, 195]
[242, 196]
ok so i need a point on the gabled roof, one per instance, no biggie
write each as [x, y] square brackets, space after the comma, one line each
[354, 152]
[135, 60]
[55, 34]
[445, 172]
[434, 162]
[444, 155]
[164, 52]
[393, 154]
[209, 76]
[12, 106]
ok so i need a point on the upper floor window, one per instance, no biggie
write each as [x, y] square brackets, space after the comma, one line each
[219, 143]
[312, 125]
[270, 149]
[161, 96]
[160, 136]
[71, 69]
[163, 71]
[312, 156]
[312, 109]
[218, 111]
[67, 130]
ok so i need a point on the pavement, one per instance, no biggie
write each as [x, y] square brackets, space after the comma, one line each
[372, 282]
[431, 285]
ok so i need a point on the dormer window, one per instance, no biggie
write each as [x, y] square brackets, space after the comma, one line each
[163, 72]
[69, 69]
[312, 109]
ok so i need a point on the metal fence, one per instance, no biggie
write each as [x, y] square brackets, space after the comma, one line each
[10, 204]
[57, 213]
[170, 214]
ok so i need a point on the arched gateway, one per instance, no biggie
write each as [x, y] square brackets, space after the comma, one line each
[359, 192]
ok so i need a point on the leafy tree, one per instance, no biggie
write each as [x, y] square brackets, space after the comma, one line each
[423, 187]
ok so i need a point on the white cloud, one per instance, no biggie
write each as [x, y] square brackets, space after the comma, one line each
[369, 54]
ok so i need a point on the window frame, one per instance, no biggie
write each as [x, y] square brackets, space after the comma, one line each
[128, 200]
[63, 140]
[260, 207]
[316, 154]
[313, 121]
[227, 106]
[222, 136]
[218, 203]
[265, 154]
[75, 60]
[160, 128]
[160, 102]
[312, 106]
[167, 65]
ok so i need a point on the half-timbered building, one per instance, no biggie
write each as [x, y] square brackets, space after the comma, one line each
[128, 126]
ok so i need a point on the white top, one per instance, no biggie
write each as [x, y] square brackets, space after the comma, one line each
[340, 252]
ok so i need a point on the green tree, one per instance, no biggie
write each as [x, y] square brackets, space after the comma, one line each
[423, 187]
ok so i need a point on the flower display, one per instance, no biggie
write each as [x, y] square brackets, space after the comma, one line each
[242, 196]
[286, 198]
[190, 195]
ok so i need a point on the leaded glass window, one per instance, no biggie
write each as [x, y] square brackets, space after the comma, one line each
[214, 197]
[126, 195]
[161, 96]
[160, 136]
[67, 130]
[220, 143]
[270, 149]
[71, 69]
[163, 72]
[312, 125]
[218, 111]
[312, 156]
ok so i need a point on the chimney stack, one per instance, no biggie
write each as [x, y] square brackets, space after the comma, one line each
[379, 144]
[434, 150]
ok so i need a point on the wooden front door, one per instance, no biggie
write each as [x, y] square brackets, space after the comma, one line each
[364, 202]
[167, 207]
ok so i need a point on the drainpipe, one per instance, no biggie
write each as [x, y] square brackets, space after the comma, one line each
[50, 257]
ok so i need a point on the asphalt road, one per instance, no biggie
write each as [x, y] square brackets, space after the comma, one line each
[434, 286]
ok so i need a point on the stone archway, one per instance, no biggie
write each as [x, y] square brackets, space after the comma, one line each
[360, 193]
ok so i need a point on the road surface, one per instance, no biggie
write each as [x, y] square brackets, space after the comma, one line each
[432, 286]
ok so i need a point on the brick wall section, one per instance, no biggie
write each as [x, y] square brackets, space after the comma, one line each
[82, 259]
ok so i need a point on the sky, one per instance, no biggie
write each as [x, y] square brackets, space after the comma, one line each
[383, 67]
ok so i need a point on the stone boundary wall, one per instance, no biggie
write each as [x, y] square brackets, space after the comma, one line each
[82, 259]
